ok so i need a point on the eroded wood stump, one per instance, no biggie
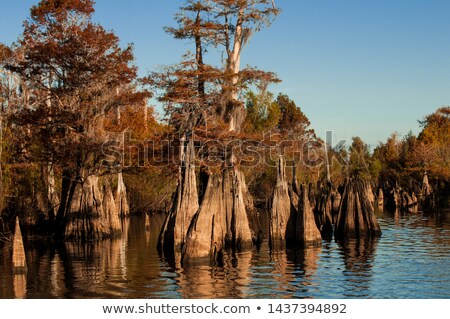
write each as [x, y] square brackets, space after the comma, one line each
[208, 230]
[222, 219]
[92, 213]
[242, 236]
[121, 197]
[336, 199]
[306, 229]
[380, 200]
[426, 188]
[324, 211]
[281, 218]
[356, 217]
[19, 258]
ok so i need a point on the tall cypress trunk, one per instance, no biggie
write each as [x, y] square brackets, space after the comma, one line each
[281, 217]
[173, 233]
[307, 233]
[68, 185]
[222, 219]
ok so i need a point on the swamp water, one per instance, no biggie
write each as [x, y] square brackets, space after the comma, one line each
[410, 260]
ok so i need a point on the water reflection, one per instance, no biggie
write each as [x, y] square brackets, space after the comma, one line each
[358, 256]
[305, 260]
[410, 260]
[20, 286]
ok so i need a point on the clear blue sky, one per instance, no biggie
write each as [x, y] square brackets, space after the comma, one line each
[356, 67]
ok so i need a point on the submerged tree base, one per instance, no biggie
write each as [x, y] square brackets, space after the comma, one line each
[92, 213]
[356, 217]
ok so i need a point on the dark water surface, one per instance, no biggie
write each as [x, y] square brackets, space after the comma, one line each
[410, 260]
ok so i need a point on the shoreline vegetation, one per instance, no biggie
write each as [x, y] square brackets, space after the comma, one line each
[81, 149]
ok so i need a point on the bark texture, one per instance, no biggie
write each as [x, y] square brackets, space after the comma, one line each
[281, 219]
[356, 217]
[173, 233]
[222, 219]
[380, 200]
[121, 197]
[92, 213]
[306, 229]
[206, 236]
[336, 198]
[324, 211]
[19, 259]
[426, 188]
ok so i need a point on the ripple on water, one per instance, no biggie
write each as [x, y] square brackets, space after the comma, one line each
[410, 260]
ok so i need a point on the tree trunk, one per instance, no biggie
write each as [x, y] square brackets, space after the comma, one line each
[380, 200]
[92, 214]
[336, 198]
[222, 219]
[19, 259]
[121, 197]
[281, 218]
[52, 197]
[307, 233]
[240, 229]
[356, 217]
[207, 233]
[324, 211]
[295, 186]
[173, 233]
[426, 188]
[1, 169]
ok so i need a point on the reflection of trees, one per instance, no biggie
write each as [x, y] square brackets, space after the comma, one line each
[358, 258]
[231, 280]
[282, 273]
[91, 267]
[5, 276]
[305, 260]
[20, 286]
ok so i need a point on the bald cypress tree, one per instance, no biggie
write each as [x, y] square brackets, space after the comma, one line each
[75, 73]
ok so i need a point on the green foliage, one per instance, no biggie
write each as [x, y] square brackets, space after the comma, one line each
[263, 113]
[293, 121]
[150, 190]
[360, 160]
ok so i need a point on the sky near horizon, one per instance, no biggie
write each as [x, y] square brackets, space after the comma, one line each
[355, 67]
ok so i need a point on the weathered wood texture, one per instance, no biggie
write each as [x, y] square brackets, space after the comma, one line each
[207, 233]
[19, 258]
[356, 217]
[185, 205]
[306, 229]
[291, 216]
[380, 200]
[92, 213]
[121, 197]
[336, 199]
[324, 211]
[426, 188]
[222, 219]
[281, 217]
